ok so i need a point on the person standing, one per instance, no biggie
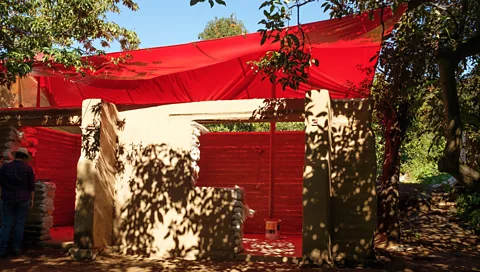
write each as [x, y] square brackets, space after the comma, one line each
[17, 191]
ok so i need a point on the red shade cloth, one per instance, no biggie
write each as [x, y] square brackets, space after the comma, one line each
[218, 69]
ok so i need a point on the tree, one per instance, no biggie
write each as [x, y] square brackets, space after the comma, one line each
[449, 36]
[226, 27]
[223, 27]
[60, 32]
[453, 37]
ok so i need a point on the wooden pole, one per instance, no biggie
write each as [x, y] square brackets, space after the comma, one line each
[271, 202]
[38, 92]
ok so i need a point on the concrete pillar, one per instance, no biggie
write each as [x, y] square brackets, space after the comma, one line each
[316, 241]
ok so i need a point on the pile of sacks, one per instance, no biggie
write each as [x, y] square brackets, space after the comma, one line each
[21, 137]
[40, 219]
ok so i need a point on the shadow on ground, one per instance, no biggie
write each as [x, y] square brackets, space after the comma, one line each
[434, 238]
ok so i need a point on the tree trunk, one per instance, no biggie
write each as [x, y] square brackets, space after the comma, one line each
[450, 162]
[388, 189]
[388, 195]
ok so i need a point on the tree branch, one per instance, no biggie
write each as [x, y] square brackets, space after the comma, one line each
[413, 4]
[467, 48]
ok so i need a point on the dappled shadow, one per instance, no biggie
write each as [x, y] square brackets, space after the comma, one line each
[435, 239]
[285, 246]
[353, 180]
[156, 168]
[280, 110]
[56, 260]
[339, 181]
[317, 227]
[162, 214]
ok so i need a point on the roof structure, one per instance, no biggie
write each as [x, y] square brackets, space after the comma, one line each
[217, 69]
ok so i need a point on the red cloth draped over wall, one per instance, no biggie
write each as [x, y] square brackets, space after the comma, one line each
[218, 69]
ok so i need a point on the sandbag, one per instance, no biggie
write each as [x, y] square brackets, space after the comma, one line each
[40, 219]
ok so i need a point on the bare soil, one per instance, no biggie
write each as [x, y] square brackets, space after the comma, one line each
[433, 239]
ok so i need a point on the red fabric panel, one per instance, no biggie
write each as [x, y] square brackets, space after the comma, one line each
[242, 159]
[217, 69]
[56, 159]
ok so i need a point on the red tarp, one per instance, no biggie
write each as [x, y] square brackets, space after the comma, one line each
[218, 69]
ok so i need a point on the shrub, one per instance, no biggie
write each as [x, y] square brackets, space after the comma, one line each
[468, 207]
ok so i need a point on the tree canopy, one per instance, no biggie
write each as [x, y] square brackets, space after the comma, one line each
[58, 31]
[223, 27]
[450, 37]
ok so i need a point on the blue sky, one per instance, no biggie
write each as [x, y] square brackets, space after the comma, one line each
[168, 22]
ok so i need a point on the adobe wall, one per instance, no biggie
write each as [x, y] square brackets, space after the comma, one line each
[353, 172]
[158, 211]
[339, 197]
[225, 156]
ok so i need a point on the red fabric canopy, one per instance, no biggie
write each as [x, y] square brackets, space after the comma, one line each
[218, 69]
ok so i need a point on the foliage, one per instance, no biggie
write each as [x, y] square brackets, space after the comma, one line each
[58, 32]
[255, 127]
[91, 135]
[419, 158]
[435, 37]
[379, 144]
[223, 27]
[469, 96]
[468, 207]
[212, 2]
[289, 64]
[238, 127]
[290, 126]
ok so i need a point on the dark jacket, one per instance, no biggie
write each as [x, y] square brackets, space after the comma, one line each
[17, 181]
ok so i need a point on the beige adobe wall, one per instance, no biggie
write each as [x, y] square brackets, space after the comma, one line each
[134, 187]
[158, 210]
[339, 200]
[353, 171]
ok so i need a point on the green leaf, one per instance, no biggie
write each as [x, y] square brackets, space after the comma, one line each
[194, 2]
[264, 38]
[264, 4]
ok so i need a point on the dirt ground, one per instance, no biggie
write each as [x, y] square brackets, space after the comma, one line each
[433, 240]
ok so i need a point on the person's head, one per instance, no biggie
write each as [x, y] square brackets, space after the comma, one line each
[22, 154]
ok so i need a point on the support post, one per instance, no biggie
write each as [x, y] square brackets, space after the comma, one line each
[38, 92]
[271, 202]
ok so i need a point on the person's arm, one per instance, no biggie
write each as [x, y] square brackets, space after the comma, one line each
[1, 182]
[31, 186]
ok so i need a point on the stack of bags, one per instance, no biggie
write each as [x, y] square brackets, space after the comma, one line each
[40, 219]
[21, 137]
